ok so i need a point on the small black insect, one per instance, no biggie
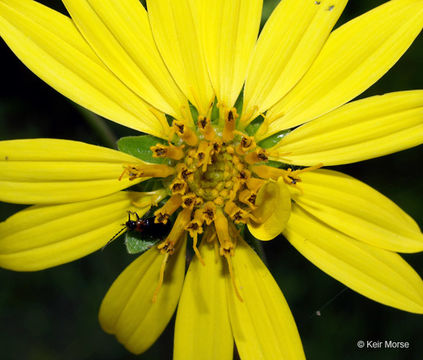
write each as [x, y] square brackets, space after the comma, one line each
[145, 227]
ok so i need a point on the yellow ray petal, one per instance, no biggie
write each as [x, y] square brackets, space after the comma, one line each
[43, 236]
[46, 171]
[127, 310]
[120, 33]
[174, 25]
[52, 47]
[262, 324]
[359, 211]
[228, 30]
[355, 56]
[357, 131]
[290, 41]
[274, 207]
[378, 274]
[202, 322]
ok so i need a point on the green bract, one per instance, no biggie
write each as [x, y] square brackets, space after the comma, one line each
[139, 146]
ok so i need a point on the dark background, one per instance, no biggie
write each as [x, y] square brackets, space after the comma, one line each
[52, 314]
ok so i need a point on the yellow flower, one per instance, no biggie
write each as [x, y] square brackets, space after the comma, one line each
[228, 166]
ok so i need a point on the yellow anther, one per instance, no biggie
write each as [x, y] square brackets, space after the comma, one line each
[166, 247]
[135, 171]
[216, 146]
[268, 172]
[198, 201]
[222, 231]
[151, 198]
[235, 188]
[230, 121]
[237, 214]
[209, 212]
[248, 197]
[185, 133]
[256, 156]
[185, 174]
[289, 176]
[192, 153]
[189, 161]
[254, 184]
[206, 128]
[244, 175]
[171, 151]
[159, 150]
[161, 277]
[177, 231]
[195, 227]
[292, 177]
[189, 200]
[246, 143]
[234, 211]
[203, 154]
[178, 186]
[162, 214]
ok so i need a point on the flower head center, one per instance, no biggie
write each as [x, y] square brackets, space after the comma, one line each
[215, 179]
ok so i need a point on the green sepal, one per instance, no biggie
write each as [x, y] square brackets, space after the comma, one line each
[276, 164]
[194, 113]
[254, 125]
[239, 104]
[139, 146]
[136, 245]
[150, 185]
[214, 115]
[273, 139]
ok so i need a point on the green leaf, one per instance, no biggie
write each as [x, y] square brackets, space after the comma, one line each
[139, 146]
[135, 245]
[274, 139]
